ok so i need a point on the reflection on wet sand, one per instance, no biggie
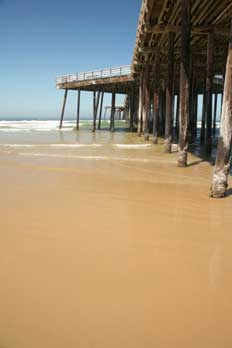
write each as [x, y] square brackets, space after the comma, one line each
[112, 253]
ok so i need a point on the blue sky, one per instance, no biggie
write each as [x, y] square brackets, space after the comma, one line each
[43, 39]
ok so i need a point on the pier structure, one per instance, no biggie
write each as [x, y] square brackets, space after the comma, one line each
[111, 80]
[183, 50]
[119, 112]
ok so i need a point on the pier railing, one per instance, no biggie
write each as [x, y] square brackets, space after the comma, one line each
[93, 75]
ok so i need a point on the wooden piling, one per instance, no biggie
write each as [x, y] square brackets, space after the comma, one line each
[94, 111]
[209, 86]
[156, 99]
[177, 114]
[222, 166]
[215, 113]
[140, 108]
[202, 136]
[146, 107]
[63, 108]
[96, 98]
[184, 81]
[112, 116]
[169, 95]
[100, 112]
[195, 120]
[78, 108]
[132, 111]
[162, 108]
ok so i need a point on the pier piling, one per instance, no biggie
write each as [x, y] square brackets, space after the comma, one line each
[63, 108]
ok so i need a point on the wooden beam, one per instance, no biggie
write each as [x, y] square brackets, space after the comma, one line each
[169, 95]
[63, 108]
[222, 166]
[198, 30]
[184, 81]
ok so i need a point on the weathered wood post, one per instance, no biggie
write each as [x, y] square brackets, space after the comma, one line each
[112, 116]
[202, 136]
[169, 95]
[63, 108]
[132, 109]
[177, 114]
[215, 113]
[209, 86]
[162, 108]
[95, 108]
[156, 99]
[191, 106]
[140, 109]
[195, 112]
[184, 81]
[78, 108]
[146, 108]
[100, 113]
[94, 111]
[222, 166]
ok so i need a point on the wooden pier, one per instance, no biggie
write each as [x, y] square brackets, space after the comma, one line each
[181, 51]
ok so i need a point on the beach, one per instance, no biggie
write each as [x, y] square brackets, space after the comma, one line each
[105, 243]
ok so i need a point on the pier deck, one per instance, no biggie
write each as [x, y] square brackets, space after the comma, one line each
[119, 80]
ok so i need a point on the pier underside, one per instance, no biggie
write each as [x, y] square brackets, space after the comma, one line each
[181, 52]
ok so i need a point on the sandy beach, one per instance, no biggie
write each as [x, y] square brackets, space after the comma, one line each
[111, 246]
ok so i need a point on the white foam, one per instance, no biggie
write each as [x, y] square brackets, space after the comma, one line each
[36, 126]
[75, 145]
[96, 158]
[68, 146]
[133, 146]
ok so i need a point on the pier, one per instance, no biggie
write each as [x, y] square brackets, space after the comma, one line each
[183, 49]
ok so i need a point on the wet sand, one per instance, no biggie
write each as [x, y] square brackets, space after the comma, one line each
[110, 253]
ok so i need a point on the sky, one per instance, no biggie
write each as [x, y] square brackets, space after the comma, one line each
[47, 38]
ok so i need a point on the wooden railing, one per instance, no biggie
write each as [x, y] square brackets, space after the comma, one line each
[94, 75]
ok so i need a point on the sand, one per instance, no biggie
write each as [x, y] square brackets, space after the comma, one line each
[109, 253]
